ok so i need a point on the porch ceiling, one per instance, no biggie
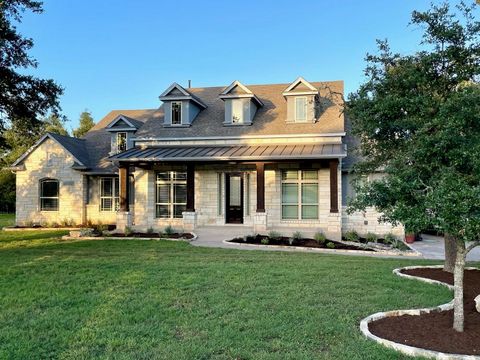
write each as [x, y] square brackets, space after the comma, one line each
[231, 153]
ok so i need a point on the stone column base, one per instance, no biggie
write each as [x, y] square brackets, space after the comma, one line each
[260, 222]
[189, 220]
[124, 219]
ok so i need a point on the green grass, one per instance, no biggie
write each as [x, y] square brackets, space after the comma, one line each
[6, 220]
[170, 300]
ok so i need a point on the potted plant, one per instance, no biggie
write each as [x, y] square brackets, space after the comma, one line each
[409, 236]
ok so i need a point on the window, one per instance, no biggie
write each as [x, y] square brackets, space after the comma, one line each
[301, 108]
[121, 141]
[299, 194]
[171, 194]
[49, 195]
[176, 113]
[109, 196]
[237, 111]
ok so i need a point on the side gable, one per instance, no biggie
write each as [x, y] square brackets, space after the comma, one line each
[123, 123]
[237, 90]
[177, 92]
[300, 87]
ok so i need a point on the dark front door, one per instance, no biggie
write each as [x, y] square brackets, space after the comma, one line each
[234, 197]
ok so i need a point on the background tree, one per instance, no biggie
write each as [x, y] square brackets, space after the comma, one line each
[86, 122]
[54, 124]
[417, 118]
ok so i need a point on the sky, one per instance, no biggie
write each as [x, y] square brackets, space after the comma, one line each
[122, 54]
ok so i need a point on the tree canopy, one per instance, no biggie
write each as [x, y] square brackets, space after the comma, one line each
[86, 123]
[417, 118]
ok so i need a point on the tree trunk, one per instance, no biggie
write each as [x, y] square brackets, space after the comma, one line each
[458, 312]
[450, 253]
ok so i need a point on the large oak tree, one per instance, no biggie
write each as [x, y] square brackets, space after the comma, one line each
[417, 118]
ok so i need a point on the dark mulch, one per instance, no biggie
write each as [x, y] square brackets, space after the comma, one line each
[156, 235]
[434, 331]
[285, 241]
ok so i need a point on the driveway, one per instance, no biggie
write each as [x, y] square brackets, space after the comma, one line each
[432, 247]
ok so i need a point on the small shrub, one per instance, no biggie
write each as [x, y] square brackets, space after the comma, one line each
[352, 235]
[371, 237]
[128, 231]
[150, 230]
[54, 224]
[274, 235]
[89, 223]
[64, 222]
[86, 232]
[390, 239]
[29, 223]
[297, 235]
[169, 230]
[330, 245]
[320, 237]
[265, 241]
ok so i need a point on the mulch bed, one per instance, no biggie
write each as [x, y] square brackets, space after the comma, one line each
[155, 236]
[434, 331]
[285, 241]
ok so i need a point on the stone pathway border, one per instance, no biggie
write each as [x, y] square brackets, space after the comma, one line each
[68, 237]
[13, 229]
[413, 253]
[406, 349]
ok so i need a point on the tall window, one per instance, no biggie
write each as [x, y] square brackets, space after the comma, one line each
[176, 113]
[300, 194]
[301, 108]
[109, 196]
[171, 196]
[121, 141]
[237, 111]
[49, 195]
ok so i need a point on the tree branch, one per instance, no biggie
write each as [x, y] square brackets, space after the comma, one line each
[471, 246]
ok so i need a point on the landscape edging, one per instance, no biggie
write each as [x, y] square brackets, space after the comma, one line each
[68, 237]
[407, 349]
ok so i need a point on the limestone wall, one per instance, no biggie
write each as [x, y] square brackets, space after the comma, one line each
[364, 222]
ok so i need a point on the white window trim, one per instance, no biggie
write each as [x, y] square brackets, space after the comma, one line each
[117, 143]
[49, 197]
[299, 181]
[171, 204]
[295, 109]
[115, 199]
[171, 113]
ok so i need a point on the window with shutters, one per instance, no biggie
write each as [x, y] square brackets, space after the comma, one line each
[171, 194]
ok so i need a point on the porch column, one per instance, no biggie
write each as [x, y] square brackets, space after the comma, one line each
[190, 187]
[123, 182]
[333, 185]
[260, 187]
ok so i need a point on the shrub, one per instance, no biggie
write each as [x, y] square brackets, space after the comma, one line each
[352, 235]
[29, 223]
[390, 239]
[128, 231]
[86, 232]
[330, 245]
[371, 237]
[297, 235]
[150, 230]
[265, 241]
[274, 235]
[320, 237]
[169, 230]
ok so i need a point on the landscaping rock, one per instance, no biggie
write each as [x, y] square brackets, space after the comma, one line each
[477, 303]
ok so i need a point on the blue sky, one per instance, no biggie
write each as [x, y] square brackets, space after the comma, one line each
[122, 54]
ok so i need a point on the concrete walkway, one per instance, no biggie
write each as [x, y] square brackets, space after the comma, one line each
[431, 247]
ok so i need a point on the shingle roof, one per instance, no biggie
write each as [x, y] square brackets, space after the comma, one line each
[75, 146]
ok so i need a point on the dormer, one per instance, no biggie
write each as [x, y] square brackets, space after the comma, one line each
[241, 104]
[301, 98]
[180, 106]
[122, 129]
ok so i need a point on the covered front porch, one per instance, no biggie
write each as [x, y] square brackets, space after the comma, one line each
[250, 188]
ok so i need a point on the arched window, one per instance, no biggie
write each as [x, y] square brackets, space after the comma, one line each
[49, 195]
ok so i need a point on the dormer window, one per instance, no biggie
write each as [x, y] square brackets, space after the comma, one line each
[300, 109]
[121, 141]
[176, 112]
[241, 104]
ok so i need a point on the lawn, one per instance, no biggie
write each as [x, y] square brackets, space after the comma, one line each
[6, 220]
[170, 300]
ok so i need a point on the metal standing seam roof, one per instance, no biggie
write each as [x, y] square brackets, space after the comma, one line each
[232, 152]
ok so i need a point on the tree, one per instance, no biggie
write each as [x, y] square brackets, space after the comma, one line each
[86, 123]
[55, 124]
[22, 97]
[417, 118]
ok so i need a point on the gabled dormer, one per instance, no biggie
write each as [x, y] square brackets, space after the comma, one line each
[241, 104]
[302, 98]
[180, 106]
[122, 129]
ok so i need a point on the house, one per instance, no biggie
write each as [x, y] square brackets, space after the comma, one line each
[261, 156]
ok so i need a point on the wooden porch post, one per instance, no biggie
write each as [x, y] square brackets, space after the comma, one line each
[260, 187]
[190, 187]
[123, 182]
[333, 185]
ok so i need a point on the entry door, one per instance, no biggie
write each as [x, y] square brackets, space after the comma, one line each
[234, 198]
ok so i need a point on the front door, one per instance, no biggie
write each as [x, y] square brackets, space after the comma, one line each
[234, 198]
